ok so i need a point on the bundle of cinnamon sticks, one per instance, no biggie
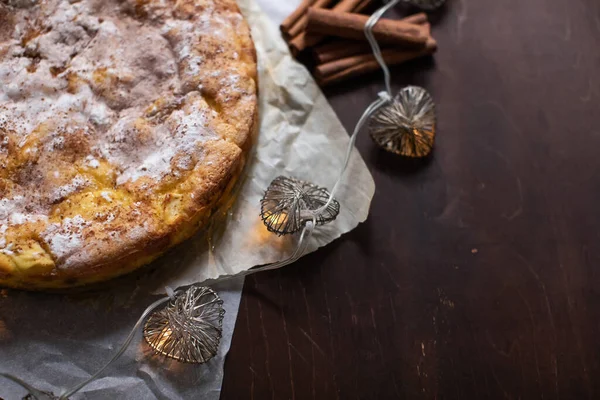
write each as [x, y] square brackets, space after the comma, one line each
[334, 34]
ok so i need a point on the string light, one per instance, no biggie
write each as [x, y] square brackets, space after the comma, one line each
[288, 203]
[407, 125]
[189, 328]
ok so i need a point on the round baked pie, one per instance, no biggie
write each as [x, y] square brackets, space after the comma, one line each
[123, 125]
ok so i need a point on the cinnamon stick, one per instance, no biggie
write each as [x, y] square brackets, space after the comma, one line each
[418, 18]
[298, 13]
[369, 63]
[301, 40]
[342, 48]
[351, 26]
[298, 27]
[362, 6]
[336, 66]
[347, 5]
[338, 49]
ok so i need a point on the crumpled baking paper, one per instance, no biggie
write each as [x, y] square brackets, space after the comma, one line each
[56, 341]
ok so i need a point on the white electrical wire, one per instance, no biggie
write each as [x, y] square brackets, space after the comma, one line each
[375, 46]
[122, 349]
[384, 98]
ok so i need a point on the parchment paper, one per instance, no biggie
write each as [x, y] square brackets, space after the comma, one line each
[56, 341]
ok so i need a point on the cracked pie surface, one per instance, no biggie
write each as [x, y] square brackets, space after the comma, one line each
[122, 125]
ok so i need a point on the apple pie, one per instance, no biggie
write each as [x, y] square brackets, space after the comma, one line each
[123, 125]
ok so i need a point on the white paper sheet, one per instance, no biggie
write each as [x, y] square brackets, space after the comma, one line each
[278, 10]
[56, 341]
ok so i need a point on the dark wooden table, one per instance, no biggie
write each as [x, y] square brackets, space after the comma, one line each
[477, 274]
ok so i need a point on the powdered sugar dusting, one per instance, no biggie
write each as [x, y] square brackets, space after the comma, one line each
[20, 218]
[106, 196]
[11, 211]
[10, 206]
[64, 191]
[92, 162]
[179, 136]
[137, 232]
[8, 249]
[65, 239]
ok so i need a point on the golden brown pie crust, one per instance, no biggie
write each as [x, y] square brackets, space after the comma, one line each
[122, 125]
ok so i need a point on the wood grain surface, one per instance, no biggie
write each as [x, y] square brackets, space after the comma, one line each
[477, 274]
